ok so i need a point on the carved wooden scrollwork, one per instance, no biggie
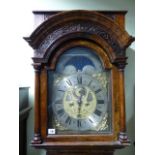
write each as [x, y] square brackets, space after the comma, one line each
[108, 34]
[73, 28]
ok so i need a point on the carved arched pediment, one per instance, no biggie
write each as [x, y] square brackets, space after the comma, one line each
[71, 24]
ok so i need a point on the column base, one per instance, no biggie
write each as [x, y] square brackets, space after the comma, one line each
[36, 139]
[123, 138]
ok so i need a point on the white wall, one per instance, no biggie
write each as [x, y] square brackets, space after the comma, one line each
[22, 21]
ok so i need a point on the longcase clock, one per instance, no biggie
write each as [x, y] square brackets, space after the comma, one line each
[79, 60]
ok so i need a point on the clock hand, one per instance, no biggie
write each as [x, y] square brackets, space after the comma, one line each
[79, 100]
[81, 92]
[74, 94]
[79, 107]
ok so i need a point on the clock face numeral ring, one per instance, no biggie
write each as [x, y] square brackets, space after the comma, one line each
[79, 102]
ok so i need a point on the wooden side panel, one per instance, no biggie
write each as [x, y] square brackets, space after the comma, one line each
[115, 102]
[37, 136]
[43, 100]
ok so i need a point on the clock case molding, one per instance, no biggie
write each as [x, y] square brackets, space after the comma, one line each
[102, 31]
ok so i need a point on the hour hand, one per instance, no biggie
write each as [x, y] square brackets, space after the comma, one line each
[74, 94]
[89, 97]
[78, 110]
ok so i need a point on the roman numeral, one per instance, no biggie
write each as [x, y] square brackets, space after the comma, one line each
[61, 90]
[100, 101]
[89, 82]
[90, 120]
[58, 102]
[98, 90]
[68, 120]
[79, 79]
[79, 123]
[97, 112]
[61, 112]
[69, 82]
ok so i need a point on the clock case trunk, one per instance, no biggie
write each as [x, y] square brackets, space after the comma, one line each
[102, 31]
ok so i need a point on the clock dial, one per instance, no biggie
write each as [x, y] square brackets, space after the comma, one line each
[79, 94]
[80, 102]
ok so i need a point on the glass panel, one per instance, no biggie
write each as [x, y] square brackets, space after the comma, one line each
[79, 99]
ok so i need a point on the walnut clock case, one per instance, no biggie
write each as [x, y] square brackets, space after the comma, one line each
[79, 60]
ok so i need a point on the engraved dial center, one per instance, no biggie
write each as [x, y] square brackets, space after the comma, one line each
[79, 102]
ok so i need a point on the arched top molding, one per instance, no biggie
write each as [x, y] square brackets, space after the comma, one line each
[91, 24]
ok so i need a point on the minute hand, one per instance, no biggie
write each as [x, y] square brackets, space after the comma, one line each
[79, 107]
